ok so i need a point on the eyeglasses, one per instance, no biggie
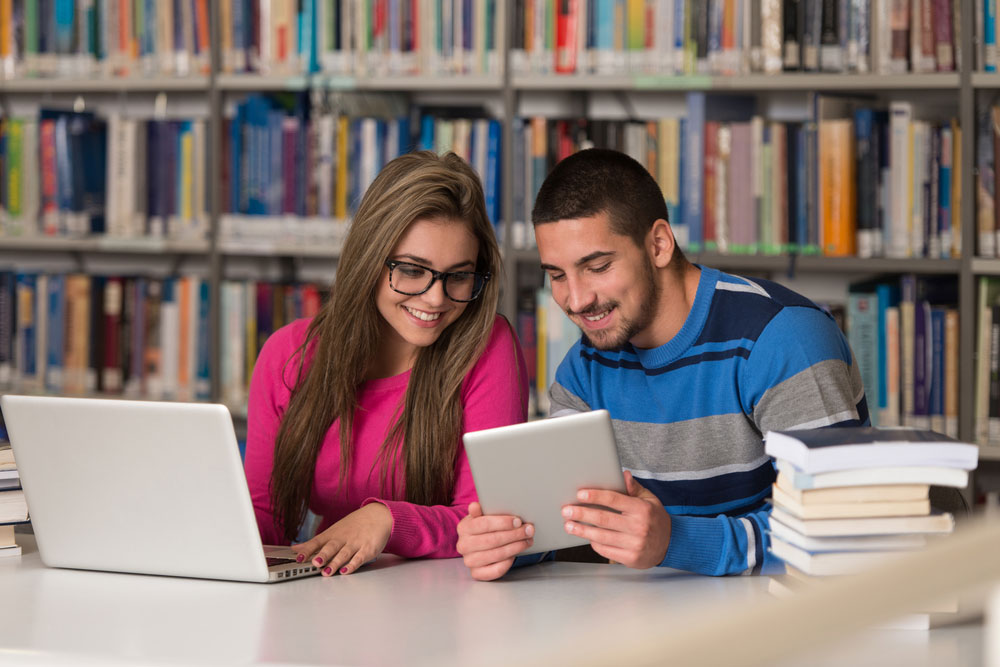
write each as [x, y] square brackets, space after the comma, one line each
[413, 279]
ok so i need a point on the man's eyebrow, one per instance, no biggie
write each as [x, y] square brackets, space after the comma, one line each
[421, 260]
[598, 254]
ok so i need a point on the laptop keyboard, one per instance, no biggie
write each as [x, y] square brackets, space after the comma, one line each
[278, 561]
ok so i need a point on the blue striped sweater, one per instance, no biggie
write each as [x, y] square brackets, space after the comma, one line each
[689, 416]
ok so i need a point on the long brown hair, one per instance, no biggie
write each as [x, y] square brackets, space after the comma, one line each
[345, 338]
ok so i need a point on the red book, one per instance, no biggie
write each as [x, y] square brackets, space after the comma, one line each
[566, 31]
[112, 380]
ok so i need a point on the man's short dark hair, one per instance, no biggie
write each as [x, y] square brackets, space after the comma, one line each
[596, 181]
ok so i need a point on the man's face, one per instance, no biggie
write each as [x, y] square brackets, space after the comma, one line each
[604, 282]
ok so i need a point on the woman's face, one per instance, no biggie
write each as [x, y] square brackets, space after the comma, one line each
[417, 321]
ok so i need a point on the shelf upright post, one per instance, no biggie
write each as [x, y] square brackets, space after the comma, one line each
[508, 299]
[966, 278]
[214, 205]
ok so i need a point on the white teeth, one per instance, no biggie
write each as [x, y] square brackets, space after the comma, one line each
[596, 318]
[426, 317]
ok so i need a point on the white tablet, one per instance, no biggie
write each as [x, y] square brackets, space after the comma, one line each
[532, 470]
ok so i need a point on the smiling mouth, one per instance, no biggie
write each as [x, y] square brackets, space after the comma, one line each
[421, 315]
[597, 317]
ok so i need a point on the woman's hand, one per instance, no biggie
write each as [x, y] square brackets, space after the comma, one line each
[350, 543]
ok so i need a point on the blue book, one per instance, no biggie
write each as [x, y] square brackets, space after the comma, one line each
[936, 393]
[148, 37]
[405, 135]
[944, 189]
[55, 343]
[990, 35]
[604, 37]
[237, 171]
[64, 19]
[689, 230]
[274, 178]
[679, 19]
[427, 133]
[492, 176]
[203, 345]
[64, 169]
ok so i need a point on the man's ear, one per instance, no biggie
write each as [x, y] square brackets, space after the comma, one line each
[660, 243]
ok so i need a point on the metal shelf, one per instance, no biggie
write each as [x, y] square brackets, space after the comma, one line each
[156, 84]
[985, 266]
[264, 248]
[812, 264]
[278, 82]
[744, 83]
[104, 245]
[989, 453]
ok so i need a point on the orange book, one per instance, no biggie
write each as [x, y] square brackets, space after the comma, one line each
[201, 29]
[6, 28]
[838, 212]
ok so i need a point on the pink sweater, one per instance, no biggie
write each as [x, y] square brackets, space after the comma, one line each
[494, 393]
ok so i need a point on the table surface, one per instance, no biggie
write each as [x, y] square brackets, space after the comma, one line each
[391, 612]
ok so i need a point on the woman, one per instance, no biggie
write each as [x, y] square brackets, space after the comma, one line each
[358, 413]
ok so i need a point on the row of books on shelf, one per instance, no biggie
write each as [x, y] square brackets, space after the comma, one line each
[172, 37]
[851, 498]
[75, 174]
[987, 355]
[137, 337]
[903, 332]
[13, 507]
[316, 161]
[730, 37]
[106, 38]
[852, 181]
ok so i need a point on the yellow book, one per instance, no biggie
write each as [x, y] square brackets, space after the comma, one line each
[849, 510]
[6, 28]
[250, 292]
[340, 189]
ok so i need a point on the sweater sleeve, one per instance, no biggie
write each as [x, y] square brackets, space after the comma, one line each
[269, 394]
[800, 374]
[494, 393]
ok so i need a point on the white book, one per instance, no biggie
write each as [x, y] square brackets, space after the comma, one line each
[899, 542]
[169, 343]
[821, 450]
[900, 155]
[828, 563]
[933, 475]
[936, 523]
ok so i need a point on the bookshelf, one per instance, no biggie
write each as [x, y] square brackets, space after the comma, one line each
[506, 92]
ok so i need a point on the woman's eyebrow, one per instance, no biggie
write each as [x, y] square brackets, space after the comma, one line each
[423, 260]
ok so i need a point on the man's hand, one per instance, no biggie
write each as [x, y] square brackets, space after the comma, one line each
[637, 538]
[488, 544]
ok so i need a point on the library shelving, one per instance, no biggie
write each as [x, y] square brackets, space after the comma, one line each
[510, 91]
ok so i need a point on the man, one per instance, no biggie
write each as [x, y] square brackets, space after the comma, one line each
[694, 365]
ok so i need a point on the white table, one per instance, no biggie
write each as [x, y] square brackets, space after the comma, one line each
[393, 612]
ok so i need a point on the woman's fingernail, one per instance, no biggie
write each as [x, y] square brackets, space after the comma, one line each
[517, 522]
[300, 558]
[567, 511]
[343, 570]
[529, 530]
[327, 570]
[318, 561]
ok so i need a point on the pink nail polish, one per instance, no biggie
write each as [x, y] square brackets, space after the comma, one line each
[327, 570]
[318, 561]
[300, 558]
[343, 570]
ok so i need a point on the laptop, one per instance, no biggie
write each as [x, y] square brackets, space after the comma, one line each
[532, 470]
[142, 487]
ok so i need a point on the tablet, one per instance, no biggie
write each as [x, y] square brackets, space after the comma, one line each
[532, 470]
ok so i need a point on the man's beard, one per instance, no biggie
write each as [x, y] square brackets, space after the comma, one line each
[627, 328]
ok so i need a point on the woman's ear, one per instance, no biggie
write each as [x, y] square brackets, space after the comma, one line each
[661, 243]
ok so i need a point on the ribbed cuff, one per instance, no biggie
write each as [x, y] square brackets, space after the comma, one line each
[404, 532]
[694, 545]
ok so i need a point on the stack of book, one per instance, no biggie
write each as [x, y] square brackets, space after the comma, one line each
[13, 508]
[848, 498]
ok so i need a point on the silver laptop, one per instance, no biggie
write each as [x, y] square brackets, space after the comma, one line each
[142, 487]
[532, 470]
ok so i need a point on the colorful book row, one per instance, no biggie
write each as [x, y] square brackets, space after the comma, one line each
[732, 37]
[138, 337]
[74, 38]
[75, 174]
[850, 181]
